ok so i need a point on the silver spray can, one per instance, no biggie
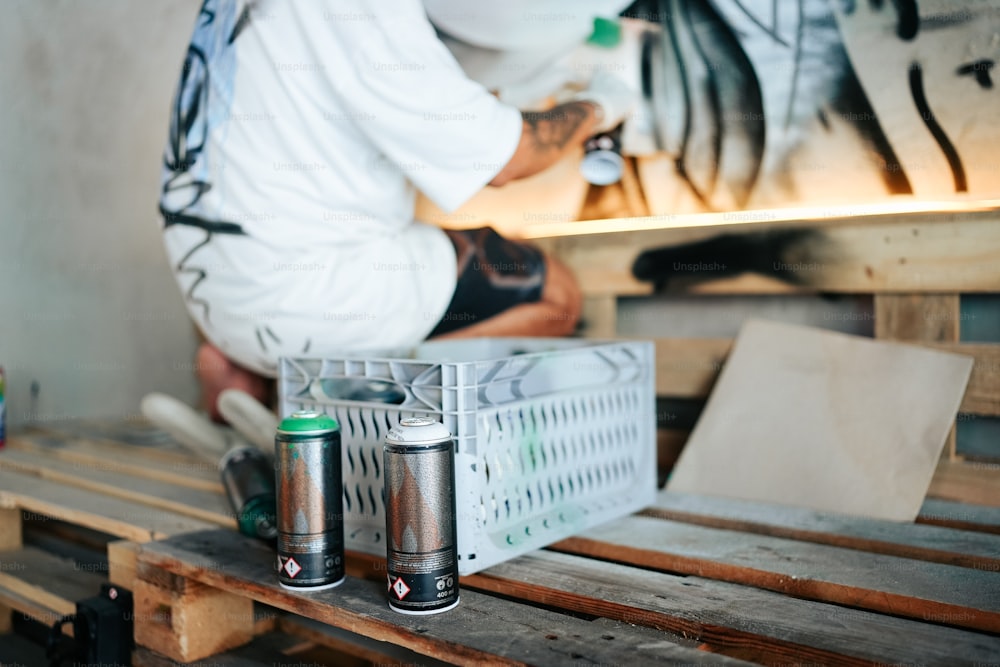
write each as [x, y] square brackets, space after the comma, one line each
[310, 502]
[422, 554]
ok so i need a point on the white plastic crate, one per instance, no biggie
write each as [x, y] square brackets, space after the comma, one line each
[554, 436]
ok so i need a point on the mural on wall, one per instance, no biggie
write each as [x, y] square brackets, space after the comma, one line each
[757, 104]
[763, 104]
[760, 103]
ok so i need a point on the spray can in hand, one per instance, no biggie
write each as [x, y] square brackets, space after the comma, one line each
[602, 158]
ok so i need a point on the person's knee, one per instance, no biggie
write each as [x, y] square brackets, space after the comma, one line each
[562, 292]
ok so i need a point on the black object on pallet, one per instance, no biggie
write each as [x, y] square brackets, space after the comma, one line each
[102, 631]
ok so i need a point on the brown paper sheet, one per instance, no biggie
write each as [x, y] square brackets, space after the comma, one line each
[823, 420]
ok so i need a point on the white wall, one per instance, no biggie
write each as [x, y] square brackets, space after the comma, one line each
[88, 308]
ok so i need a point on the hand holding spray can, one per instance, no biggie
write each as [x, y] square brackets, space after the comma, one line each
[421, 549]
[310, 502]
[602, 158]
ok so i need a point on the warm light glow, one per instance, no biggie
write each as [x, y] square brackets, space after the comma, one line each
[731, 218]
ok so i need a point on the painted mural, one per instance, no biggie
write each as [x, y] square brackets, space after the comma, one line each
[759, 104]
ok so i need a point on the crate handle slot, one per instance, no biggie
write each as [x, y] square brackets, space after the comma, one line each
[361, 390]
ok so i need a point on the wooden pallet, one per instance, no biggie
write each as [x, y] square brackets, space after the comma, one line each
[916, 266]
[691, 580]
[106, 487]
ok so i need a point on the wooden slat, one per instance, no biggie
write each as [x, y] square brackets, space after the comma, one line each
[10, 528]
[920, 318]
[916, 589]
[371, 651]
[728, 617]
[967, 482]
[202, 505]
[961, 516]
[600, 317]
[44, 498]
[50, 584]
[122, 437]
[917, 318]
[270, 650]
[930, 543]
[688, 368]
[482, 630]
[918, 252]
[982, 395]
[136, 462]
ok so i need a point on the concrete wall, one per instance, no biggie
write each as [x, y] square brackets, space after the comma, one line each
[89, 312]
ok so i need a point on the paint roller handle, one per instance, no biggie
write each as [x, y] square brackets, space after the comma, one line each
[250, 419]
[191, 429]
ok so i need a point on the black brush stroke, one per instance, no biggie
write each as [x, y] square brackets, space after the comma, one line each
[201, 274]
[948, 148]
[715, 110]
[241, 23]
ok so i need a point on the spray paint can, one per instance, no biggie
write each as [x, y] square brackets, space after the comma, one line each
[310, 510]
[602, 158]
[3, 408]
[421, 549]
[248, 477]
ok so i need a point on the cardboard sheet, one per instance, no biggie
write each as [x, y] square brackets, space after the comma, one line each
[823, 420]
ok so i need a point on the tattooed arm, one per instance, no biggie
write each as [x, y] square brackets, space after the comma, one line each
[547, 137]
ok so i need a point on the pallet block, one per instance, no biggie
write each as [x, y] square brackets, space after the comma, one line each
[185, 620]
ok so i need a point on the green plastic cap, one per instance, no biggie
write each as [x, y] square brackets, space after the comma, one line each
[607, 33]
[307, 421]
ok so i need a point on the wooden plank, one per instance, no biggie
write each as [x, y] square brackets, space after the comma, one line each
[961, 516]
[10, 528]
[917, 318]
[482, 630]
[31, 608]
[688, 368]
[967, 482]
[949, 252]
[271, 650]
[729, 618]
[42, 499]
[925, 591]
[982, 395]
[136, 462]
[370, 651]
[203, 505]
[920, 318]
[185, 622]
[118, 435]
[122, 556]
[600, 316]
[930, 543]
[6, 618]
[51, 583]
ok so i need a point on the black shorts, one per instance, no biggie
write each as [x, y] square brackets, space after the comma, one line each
[494, 274]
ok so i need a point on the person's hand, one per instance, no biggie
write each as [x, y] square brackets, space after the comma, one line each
[613, 98]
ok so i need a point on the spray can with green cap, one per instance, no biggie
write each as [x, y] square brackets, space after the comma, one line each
[310, 507]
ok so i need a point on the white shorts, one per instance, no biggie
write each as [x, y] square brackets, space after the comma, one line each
[257, 304]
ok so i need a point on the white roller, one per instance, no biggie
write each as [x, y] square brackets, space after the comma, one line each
[187, 426]
[249, 417]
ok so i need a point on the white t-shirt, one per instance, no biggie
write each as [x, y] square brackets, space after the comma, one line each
[304, 128]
